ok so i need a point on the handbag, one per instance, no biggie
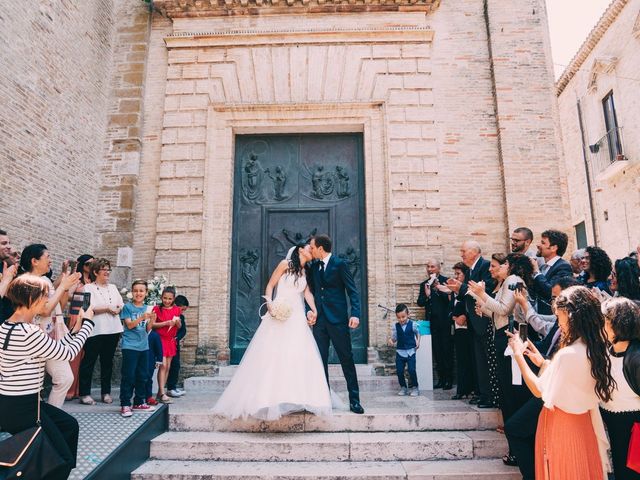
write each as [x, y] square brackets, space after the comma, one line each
[633, 455]
[29, 454]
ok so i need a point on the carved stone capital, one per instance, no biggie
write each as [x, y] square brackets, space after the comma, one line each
[210, 8]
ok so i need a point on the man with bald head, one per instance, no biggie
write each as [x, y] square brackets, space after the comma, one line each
[471, 254]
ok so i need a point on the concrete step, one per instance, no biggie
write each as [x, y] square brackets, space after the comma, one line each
[366, 383]
[362, 369]
[430, 470]
[450, 415]
[330, 447]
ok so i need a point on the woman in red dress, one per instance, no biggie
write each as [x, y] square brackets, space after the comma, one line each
[167, 325]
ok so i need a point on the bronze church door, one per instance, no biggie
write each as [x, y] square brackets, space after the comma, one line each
[287, 188]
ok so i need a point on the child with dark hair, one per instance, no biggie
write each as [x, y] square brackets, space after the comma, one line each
[406, 338]
[167, 325]
[174, 372]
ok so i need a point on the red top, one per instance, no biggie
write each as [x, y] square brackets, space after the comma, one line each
[165, 314]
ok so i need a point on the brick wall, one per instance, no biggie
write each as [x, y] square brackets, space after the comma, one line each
[54, 74]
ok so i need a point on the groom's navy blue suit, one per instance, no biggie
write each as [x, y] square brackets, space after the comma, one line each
[330, 288]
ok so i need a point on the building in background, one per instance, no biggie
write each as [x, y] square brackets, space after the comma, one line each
[599, 103]
[200, 138]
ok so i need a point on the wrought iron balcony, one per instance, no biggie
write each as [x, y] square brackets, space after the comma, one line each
[607, 154]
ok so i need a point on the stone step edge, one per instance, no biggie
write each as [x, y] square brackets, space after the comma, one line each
[329, 446]
[405, 470]
[341, 422]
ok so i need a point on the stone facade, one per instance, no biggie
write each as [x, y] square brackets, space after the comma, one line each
[607, 62]
[454, 100]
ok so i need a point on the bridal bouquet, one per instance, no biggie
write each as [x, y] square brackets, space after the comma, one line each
[280, 310]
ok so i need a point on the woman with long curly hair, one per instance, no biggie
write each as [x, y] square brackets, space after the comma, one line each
[625, 278]
[570, 439]
[596, 268]
[281, 371]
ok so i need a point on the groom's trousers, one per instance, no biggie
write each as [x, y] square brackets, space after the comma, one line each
[338, 334]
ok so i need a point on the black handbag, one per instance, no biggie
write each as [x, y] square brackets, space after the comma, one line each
[29, 454]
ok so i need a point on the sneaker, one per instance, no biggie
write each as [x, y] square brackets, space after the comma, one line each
[181, 391]
[126, 412]
[152, 401]
[143, 407]
[404, 391]
[415, 392]
[174, 393]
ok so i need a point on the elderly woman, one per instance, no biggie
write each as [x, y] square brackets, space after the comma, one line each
[107, 303]
[622, 324]
[24, 351]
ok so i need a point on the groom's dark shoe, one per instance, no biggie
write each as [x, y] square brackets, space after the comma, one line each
[356, 407]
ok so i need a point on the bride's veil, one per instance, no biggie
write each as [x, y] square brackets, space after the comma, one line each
[290, 252]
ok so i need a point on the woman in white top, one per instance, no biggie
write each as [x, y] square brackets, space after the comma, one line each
[35, 259]
[622, 324]
[107, 303]
[571, 443]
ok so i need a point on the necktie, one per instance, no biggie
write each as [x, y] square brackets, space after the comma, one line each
[544, 269]
[321, 269]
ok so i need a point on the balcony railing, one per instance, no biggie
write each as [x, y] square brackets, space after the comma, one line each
[607, 151]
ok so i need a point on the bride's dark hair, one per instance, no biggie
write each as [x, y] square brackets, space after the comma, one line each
[295, 267]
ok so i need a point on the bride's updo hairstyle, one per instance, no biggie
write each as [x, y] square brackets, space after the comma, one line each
[295, 267]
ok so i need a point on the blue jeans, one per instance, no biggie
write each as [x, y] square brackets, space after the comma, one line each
[154, 355]
[134, 375]
[410, 362]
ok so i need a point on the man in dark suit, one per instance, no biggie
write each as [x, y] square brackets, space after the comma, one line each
[479, 272]
[331, 282]
[437, 310]
[553, 244]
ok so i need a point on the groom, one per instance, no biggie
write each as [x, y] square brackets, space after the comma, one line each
[330, 279]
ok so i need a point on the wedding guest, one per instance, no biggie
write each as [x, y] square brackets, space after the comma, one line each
[406, 338]
[14, 257]
[107, 305]
[138, 320]
[5, 249]
[471, 255]
[622, 325]
[514, 275]
[521, 242]
[596, 265]
[625, 278]
[552, 245]
[174, 371]
[167, 325]
[570, 440]
[76, 295]
[35, 260]
[436, 311]
[24, 351]
[576, 261]
[465, 369]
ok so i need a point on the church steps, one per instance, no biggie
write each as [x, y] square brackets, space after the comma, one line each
[458, 416]
[410, 470]
[330, 447]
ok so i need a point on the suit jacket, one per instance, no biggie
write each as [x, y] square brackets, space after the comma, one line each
[330, 291]
[543, 283]
[436, 306]
[480, 273]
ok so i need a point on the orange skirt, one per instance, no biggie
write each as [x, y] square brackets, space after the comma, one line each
[566, 447]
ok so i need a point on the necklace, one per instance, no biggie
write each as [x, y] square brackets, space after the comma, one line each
[99, 290]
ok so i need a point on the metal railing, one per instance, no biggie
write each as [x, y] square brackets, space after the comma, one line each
[607, 150]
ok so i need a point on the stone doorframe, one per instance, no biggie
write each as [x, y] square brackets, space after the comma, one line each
[223, 124]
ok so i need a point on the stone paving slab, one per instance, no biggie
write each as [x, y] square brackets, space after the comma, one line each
[439, 470]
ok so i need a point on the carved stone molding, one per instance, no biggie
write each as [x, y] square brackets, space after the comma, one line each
[209, 8]
[300, 36]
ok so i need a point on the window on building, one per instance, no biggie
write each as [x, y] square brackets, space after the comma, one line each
[581, 235]
[611, 124]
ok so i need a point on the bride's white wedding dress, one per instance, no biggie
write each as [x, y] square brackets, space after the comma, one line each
[281, 371]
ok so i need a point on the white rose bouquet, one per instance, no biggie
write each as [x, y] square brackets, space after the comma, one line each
[279, 310]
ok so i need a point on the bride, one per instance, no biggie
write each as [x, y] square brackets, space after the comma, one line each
[281, 371]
